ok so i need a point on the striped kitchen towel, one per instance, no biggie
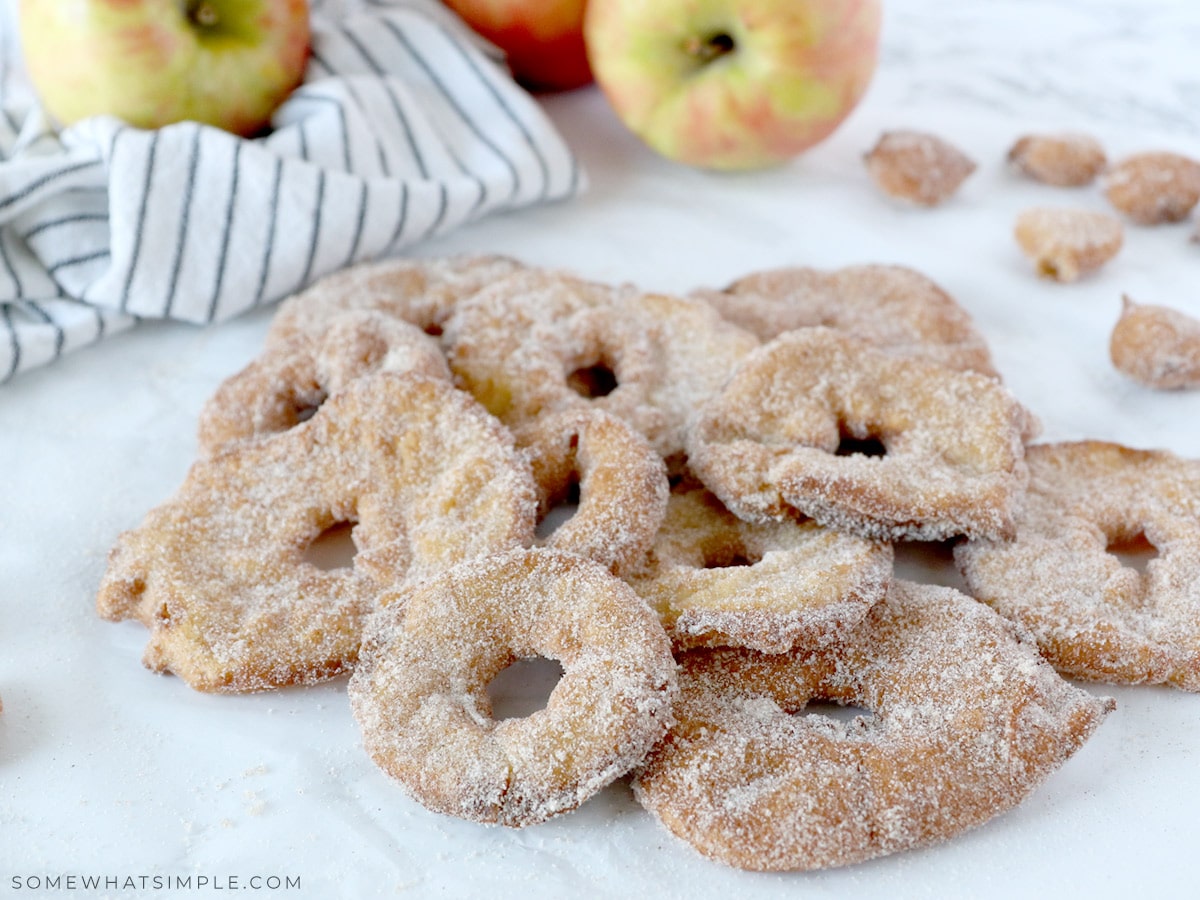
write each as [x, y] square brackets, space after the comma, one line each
[406, 127]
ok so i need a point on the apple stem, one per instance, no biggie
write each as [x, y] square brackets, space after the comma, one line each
[202, 13]
[705, 50]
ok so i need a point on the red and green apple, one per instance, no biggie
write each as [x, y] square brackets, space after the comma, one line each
[227, 63]
[733, 84]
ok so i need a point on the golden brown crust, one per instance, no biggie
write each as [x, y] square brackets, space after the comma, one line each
[1092, 616]
[1153, 188]
[218, 572]
[767, 444]
[715, 580]
[290, 379]
[918, 167]
[896, 308]
[963, 721]
[541, 342]
[1156, 346]
[1065, 244]
[622, 484]
[420, 695]
[1063, 160]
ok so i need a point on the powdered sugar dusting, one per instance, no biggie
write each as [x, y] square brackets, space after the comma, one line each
[919, 167]
[1157, 346]
[1091, 616]
[954, 441]
[965, 720]
[716, 580]
[217, 573]
[622, 484]
[515, 346]
[419, 695]
[895, 308]
[1068, 243]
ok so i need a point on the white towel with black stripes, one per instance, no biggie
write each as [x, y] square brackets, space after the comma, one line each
[406, 127]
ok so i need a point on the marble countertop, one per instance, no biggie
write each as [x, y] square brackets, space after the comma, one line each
[107, 770]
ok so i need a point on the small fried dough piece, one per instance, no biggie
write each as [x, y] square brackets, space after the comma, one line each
[1063, 160]
[1156, 346]
[1152, 188]
[1068, 243]
[962, 722]
[1092, 616]
[918, 167]
[420, 693]
[768, 444]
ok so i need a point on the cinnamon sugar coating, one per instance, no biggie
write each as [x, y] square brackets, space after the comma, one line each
[1092, 616]
[896, 308]
[218, 573]
[421, 292]
[718, 581]
[918, 167]
[420, 692]
[962, 721]
[540, 342]
[1065, 244]
[1156, 346]
[1153, 188]
[1063, 160]
[291, 378]
[622, 484]
[768, 444]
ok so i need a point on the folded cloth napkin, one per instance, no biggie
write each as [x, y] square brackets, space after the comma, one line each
[406, 127]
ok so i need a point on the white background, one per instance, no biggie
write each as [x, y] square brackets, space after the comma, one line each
[107, 769]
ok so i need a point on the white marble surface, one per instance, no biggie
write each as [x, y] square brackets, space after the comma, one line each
[108, 770]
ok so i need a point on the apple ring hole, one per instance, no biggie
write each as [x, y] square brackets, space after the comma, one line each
[333, 548]
[838, 712]
[853, 446]
[1134, 551]
[524, 687]
[598, 380]
[728, 556]
[928, 562]
[561, 509]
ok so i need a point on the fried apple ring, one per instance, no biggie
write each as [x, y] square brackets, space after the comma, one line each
[963, 721]
[421, 292]
[540, 342]
[1092, 616]
[420, 698]
[218, 572]
[286, 384]
[622, 484]
[768, 444]
[718, 581]
[896, 308]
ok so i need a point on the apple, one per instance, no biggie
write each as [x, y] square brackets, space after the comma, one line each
[543, 39]
[228, 63]
[732, 84]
